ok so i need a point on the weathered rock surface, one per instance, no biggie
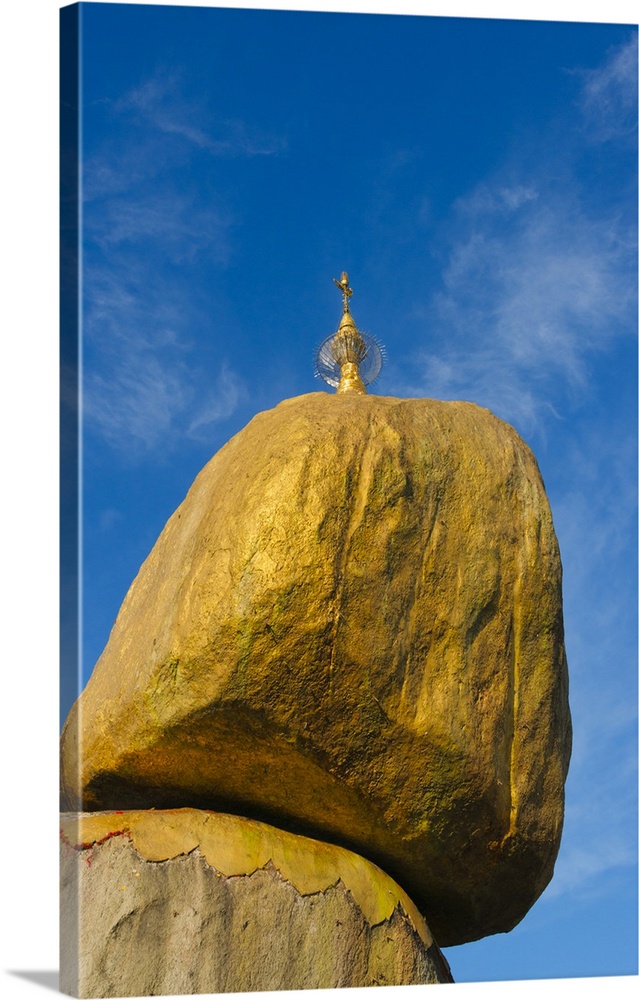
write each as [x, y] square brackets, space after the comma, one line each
[157, 903]
[352, 627]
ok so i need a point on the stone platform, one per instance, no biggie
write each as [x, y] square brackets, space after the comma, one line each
[188, 901]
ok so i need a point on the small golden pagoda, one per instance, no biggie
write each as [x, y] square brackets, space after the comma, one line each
[342, 355]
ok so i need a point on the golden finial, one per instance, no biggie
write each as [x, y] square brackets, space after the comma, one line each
[346, 291]
[341, 354]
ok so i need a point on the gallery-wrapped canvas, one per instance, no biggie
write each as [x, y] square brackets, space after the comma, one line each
[315, 728]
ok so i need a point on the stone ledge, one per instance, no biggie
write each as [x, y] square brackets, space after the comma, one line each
[188, 901]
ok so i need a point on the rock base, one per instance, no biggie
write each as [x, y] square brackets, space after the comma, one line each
[187, 901]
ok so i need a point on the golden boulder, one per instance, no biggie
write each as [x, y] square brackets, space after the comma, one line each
[352, 628]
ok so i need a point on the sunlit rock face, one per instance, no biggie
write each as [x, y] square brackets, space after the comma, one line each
[352, 628]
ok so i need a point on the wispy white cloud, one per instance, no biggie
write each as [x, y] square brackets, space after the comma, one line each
[144, 404]
[154, 130]
[174, 224]
[600, 824]
[109, 517]
[585, 872]
[143, 386]
[600, 828]
[609, 94]
[136, 403]
[538, 278]
[533, 286]
[222, 401]
[159, 104]
[156, 103]
[145, 232]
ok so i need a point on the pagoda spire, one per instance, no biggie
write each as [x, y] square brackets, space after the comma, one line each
[348, 347]
[348, 360]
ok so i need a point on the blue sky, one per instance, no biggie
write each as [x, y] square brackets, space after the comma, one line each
[477, 179]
